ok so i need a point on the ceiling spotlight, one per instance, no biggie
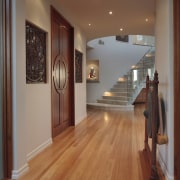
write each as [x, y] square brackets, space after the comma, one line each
[89, 24]
[121, 29]
[110, 12]
[146, 19]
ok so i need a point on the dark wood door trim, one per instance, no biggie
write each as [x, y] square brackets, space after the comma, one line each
[176, 89]
[7, 90]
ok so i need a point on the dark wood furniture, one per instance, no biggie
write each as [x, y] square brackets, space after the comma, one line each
[176, 24]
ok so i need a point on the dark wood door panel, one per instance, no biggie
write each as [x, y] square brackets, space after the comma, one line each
[62, 73]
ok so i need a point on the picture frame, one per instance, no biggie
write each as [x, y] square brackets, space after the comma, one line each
[78, 66]
[92, 71]
[35, 54]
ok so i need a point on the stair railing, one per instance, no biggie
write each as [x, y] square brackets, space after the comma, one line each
[136, 77]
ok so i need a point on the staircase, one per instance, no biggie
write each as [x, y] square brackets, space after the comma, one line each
[118, 94]
[128, 87]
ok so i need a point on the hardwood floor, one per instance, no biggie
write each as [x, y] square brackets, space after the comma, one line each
[107, 145]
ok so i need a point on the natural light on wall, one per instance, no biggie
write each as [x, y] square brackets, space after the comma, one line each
[149, 72]
[135, 75]
[143, 40]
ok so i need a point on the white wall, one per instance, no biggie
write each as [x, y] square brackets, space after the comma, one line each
[115, 60]
[164, 66]
[19, 88]
[32, 102]
[38, 96]
[80, 88]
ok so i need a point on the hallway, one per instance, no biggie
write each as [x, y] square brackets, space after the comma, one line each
[105, 146]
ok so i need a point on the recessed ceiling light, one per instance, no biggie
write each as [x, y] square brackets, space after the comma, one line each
[110, 12]
[89, 24]
[146, 19]
[121, 29]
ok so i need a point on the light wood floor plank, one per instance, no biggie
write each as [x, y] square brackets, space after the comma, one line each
[107, 145]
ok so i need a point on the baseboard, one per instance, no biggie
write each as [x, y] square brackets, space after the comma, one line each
[164, 169]
[80, 119]
[39, 149]
[17, 173]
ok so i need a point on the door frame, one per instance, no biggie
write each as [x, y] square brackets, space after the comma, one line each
[176, 8]
[7, 90]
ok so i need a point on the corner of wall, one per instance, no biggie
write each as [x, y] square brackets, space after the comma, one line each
[16, 174]
[39, 149]
[164, 168]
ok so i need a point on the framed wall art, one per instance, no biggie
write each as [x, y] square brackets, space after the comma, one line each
[78, 66]
[92, 70]
[35, 54]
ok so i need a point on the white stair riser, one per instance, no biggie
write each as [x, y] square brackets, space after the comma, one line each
[112, 102]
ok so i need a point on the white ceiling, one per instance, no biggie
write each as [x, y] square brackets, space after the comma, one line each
[127, 14]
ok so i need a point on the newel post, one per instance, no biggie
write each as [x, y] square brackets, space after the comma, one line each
[146, 105]
[154, 174]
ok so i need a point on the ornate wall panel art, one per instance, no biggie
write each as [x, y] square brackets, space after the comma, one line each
[78, 66]
[35, 54]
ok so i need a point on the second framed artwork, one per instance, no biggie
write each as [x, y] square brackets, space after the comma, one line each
[92, 70]
[78, 66]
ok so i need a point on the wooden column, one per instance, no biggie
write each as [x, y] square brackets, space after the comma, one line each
[7, 89]
[176, 89]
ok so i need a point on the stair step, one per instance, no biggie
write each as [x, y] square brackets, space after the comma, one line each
[118, 85]
[125, 86]
[120, 93]
[114, 102]
[121, 90]
[122, 82]
[118, 90]
[122, 98]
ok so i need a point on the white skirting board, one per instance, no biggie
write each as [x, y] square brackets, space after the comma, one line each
[80, 119]
[17, 173]
[164, 168]
[39, 149]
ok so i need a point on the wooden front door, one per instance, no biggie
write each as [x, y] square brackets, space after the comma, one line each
[62, 73]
